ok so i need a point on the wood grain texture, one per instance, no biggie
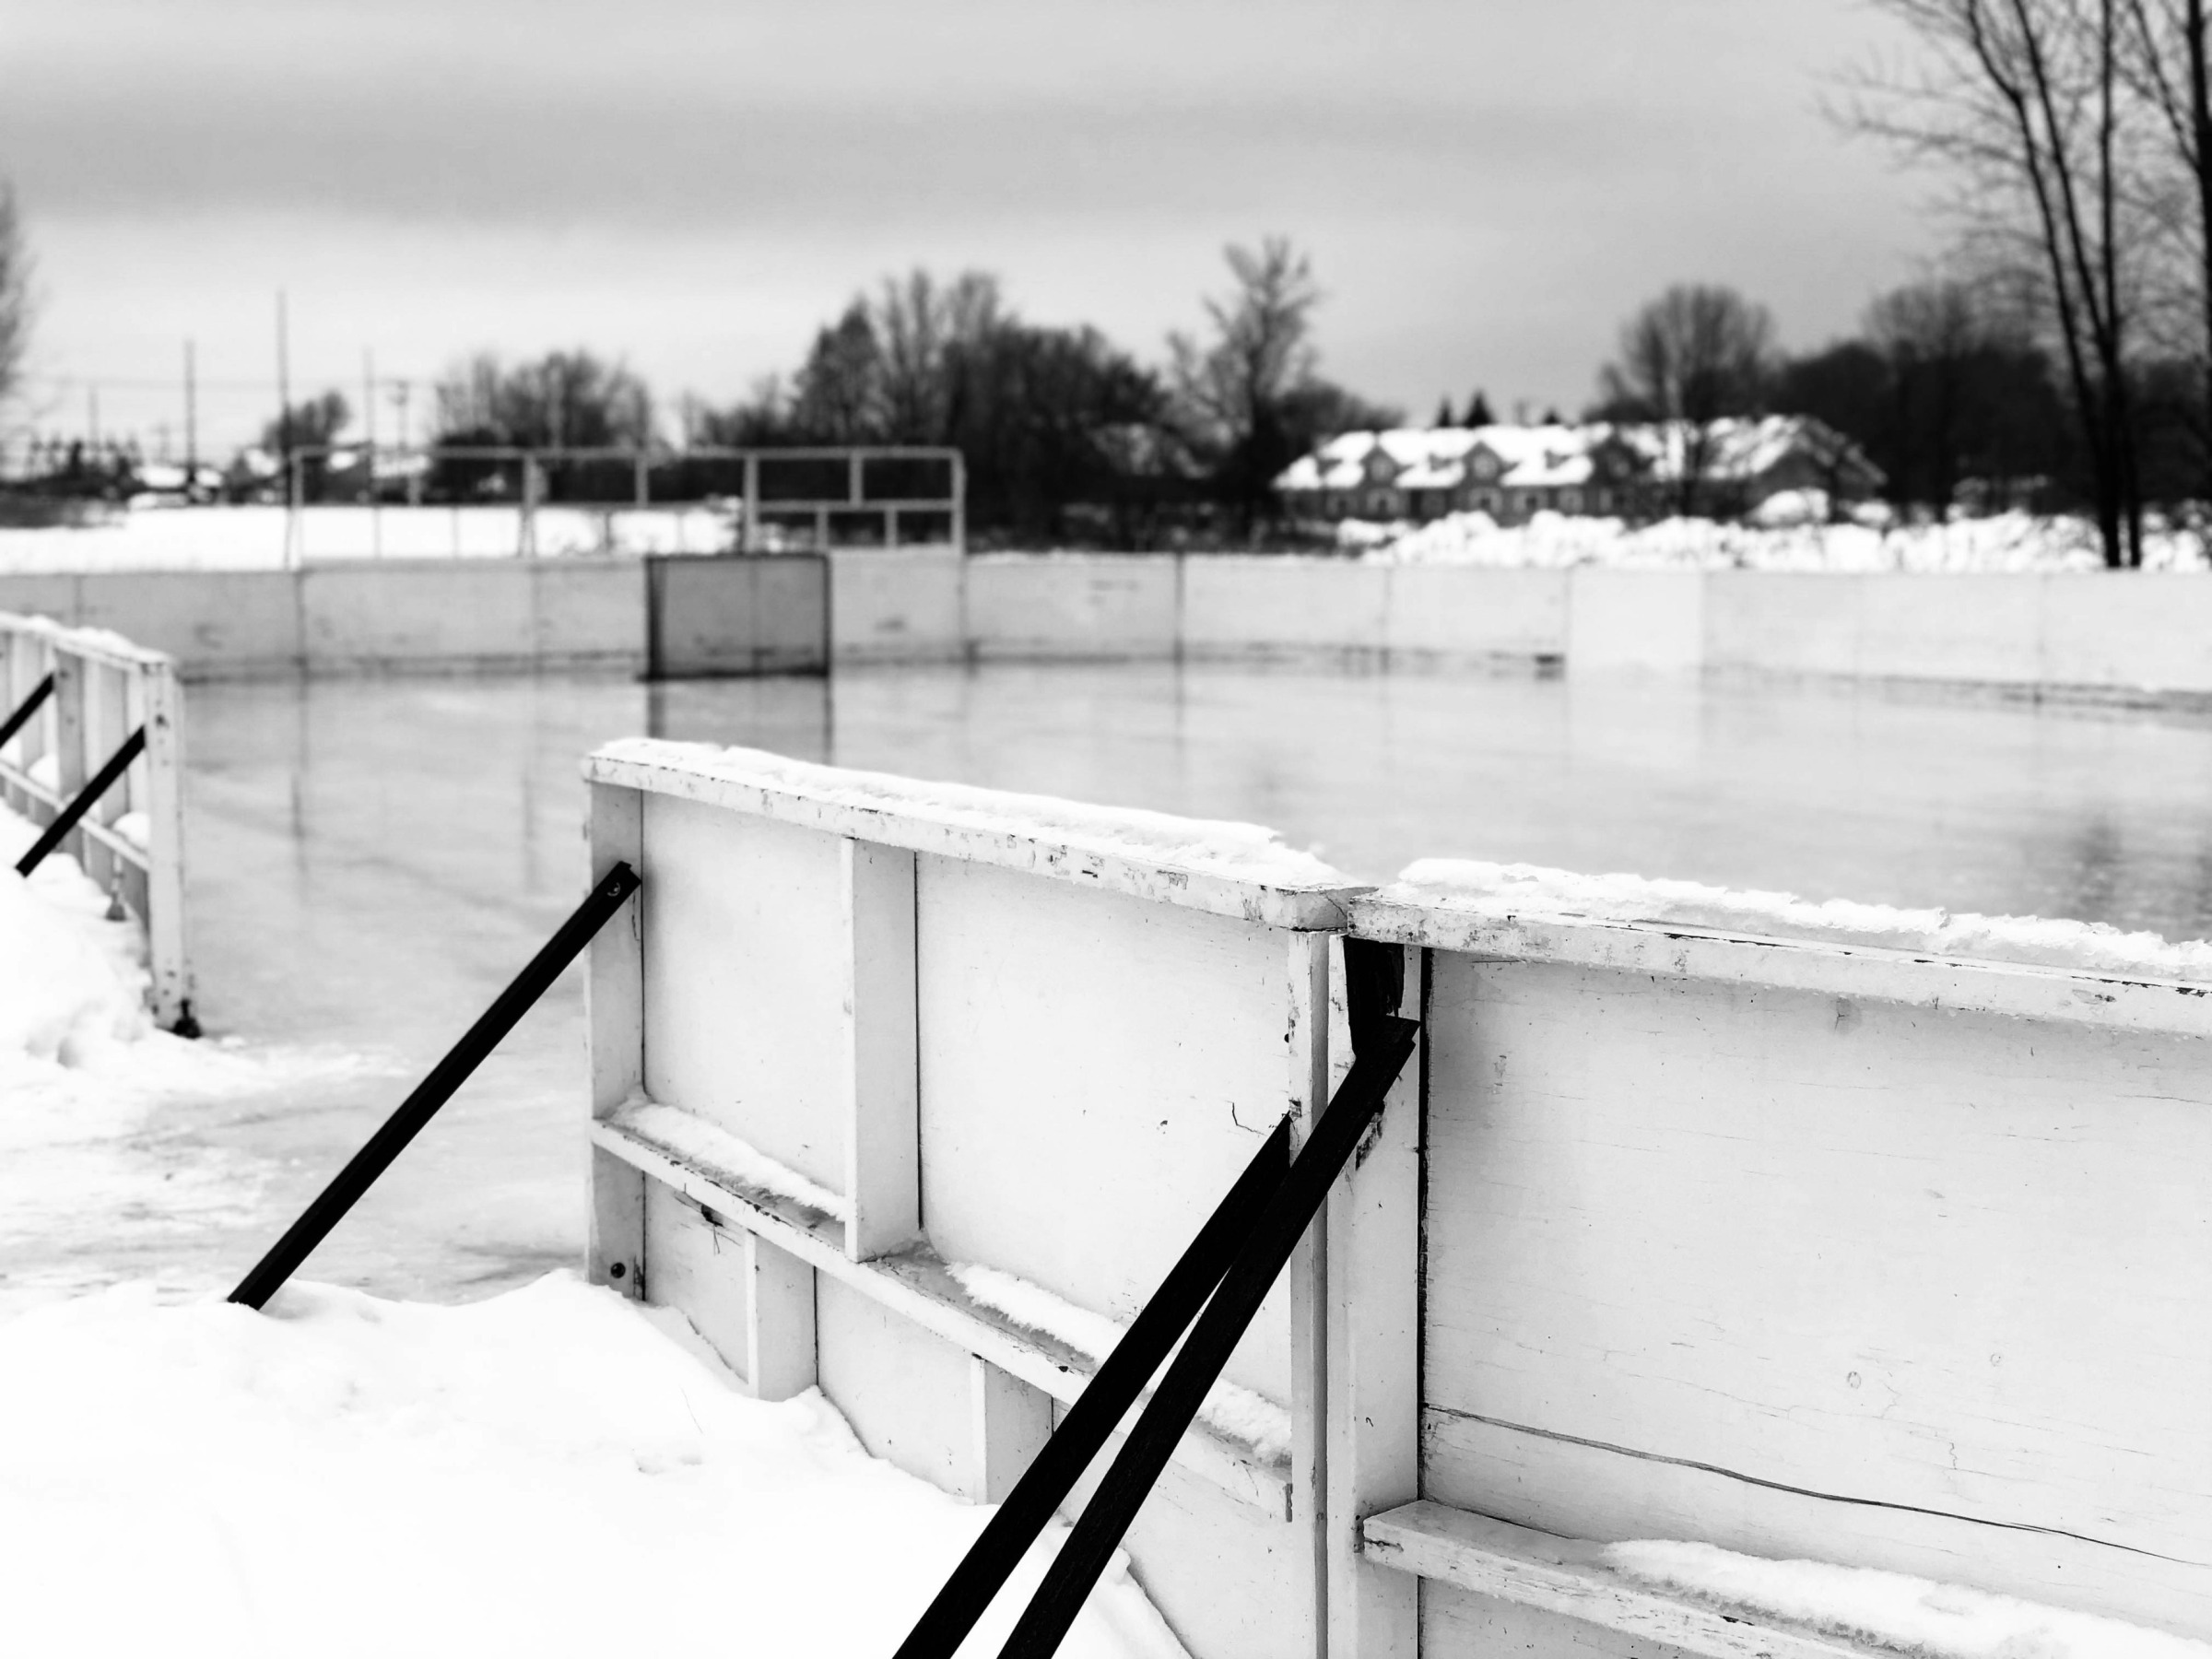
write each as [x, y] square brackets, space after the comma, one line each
[1686, 1236]
[746, 977]
[1566, 1577]
[904, 1390]
[1096, 1072]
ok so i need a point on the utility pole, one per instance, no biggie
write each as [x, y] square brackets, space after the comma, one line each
[191, 425]
[376, 524]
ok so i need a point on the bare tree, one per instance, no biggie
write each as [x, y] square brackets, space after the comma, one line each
[921, 327]
[2163, 60]
[2023, 101]
[16, 300]
[1231, 391]
[1697, 354]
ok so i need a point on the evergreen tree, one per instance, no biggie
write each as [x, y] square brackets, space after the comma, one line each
[1443, 414]
[1479, 411]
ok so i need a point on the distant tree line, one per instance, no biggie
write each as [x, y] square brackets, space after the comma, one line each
[1066, 436]
[2077, 136]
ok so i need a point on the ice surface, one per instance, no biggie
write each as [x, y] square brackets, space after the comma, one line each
[1531, 890]
[1909, 1615]
[541, 1473]
[714, 1151]
[1229, 1408]
[1246, 852]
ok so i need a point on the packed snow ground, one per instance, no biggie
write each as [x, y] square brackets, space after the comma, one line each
[543, 1473]
[1793, 534]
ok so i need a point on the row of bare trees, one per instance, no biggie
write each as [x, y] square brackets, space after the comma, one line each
[2077, 136]
[1058, 422]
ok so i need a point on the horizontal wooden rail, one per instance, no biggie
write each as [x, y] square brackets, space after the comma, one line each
[1568, 1576]
[916, 1284]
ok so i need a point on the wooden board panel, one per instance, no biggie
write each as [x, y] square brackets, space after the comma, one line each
[1232, 1583]
[1948, 1262]
[905, 1391]
[744, 981]
[1463, 1624]
[697, 1269]
[1096, 1072]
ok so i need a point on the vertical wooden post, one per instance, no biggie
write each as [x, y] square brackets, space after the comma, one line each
[883, 1158]
[70, 739]
[1373, 1456]
[1308, 1039]
[748, 539]
[614, 996]
[1008, 1424]
[779, 1320]
[166, 949]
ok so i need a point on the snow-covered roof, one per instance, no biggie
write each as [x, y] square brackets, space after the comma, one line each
[1562, 455]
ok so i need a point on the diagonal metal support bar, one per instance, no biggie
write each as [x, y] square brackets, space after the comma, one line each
[23, 711]
[376, 1156]
[68, 817]
[1090, 1421]
[1385, 1044]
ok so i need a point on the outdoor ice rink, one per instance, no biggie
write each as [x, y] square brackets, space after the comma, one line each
[373, 859]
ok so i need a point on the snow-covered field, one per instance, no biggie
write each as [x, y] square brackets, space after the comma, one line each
[261, 539]
[550, 1472]
[2009, 542]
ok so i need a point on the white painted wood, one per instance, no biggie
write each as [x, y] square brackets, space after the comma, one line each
[696, 1267]
[614, 986]
[780, 1330]
[1306, 983]
[883, 1148]
[1567, 1576]
[1373, 1419]
[722, 782]
[1708, 1259]
[915, 1286]
[614, 1002]
[104, 688]
[1008, 1423]
[744, 973]
[1095, 1073]
[168, 950]
[1864, 972]
[904, 1389]
[1232, 1583]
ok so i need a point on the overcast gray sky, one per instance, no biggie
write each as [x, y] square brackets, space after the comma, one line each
[1486, 186]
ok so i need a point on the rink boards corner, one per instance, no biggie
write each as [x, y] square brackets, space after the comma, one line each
[1802, 1249]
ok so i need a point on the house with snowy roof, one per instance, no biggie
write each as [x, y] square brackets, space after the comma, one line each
[1596, 467]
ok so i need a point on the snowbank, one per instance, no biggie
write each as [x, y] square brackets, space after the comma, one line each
[1247, 852]
[1531, 892]
[2008, 542]
[1229, 1408]
[1910, 1614]
[545, 1473]
[84, 1073]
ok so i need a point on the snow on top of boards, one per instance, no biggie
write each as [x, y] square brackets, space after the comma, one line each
[1230, 869]
[1531, 893]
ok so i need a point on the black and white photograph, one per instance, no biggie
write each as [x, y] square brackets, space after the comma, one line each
[991, 829]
